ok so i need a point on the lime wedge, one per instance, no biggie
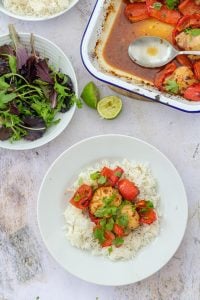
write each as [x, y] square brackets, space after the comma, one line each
[90, 95]
[109, 107]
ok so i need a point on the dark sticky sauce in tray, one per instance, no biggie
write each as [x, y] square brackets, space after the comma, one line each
[123, 32]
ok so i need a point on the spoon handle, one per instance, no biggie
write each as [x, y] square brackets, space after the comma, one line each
[189, 52]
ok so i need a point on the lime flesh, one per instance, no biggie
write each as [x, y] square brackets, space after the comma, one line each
[90, 95]
[109, 107]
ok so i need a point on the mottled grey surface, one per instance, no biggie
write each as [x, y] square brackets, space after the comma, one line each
[26, 268]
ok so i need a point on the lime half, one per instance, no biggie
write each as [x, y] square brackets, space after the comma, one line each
[90, 95]
[109, 107]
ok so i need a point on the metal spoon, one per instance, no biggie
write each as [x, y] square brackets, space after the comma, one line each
[151, 51]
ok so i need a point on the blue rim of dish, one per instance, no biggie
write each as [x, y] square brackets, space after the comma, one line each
[113, 84]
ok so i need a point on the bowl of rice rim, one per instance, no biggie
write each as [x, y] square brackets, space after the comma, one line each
[37, 10]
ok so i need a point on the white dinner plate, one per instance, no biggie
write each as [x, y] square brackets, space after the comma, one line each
[52, 203]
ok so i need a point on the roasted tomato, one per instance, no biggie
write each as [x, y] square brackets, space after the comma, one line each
[197, 69]
[189, 7]
[193, 92]
[128, 189]
[112, 176]
[136, 12]
[188, 21]
[140, 204]
[93, 218]
[109, 237]
[160, 76]
[118, 230]
[146, 211]
[184, 60]
[163, 14]
[82, 197]
[148, 217]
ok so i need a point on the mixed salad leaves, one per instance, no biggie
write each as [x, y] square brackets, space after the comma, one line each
[112, 203]
[31, 92]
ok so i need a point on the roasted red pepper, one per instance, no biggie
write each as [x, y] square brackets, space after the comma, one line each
[136, 12]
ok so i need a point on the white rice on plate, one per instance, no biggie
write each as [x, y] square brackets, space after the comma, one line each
[79, 228]
[37, 8]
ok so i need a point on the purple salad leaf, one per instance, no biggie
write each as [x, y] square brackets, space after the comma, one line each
[29, 69]
[4, 67]
[34, 122]
[5, 133]
[13, 109]
[21, 52]
[7, 49]
[43, 71]
[53, 99]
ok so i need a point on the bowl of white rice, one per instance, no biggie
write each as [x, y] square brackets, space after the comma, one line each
[37, 10]
[68, 233]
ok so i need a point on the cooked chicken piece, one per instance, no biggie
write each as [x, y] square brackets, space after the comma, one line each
[197, 2]
[100, 194]
[183, 76]
[188, 42]
[133, 217]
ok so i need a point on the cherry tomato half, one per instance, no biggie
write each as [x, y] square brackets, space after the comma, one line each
[118, 230]
[193, 92]
[136, 12]
[82, 197]
[163, 14]
[148, 217]
[128, 189]
[188, 21]
[109, 237]
[160, 76]
[189, 7]
[196, 67]
[112, 176]
[184, 61]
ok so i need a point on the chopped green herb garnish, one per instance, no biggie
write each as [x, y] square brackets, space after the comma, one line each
[80, 181]
[106, 211]
[99, 234]
[109, 200]
[122, 220]
[192, 31]
[110, 224]
[172, 4]
[149, 204]
[157, 5]
[172, 86]
[110, 250]
[103, 223]
[95, 175]
[102, 179]
[144, 209]
[77, 198]
[118, 174]
[118, 241]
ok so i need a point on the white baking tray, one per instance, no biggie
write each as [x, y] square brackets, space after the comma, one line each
[91, 36]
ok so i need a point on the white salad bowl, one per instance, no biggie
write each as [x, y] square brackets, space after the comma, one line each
[52, 202]
[58, 60]
[33, 18]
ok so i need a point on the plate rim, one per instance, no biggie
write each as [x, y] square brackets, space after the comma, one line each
[185, 202]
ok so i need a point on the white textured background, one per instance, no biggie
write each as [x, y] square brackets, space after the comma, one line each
[28, 271]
